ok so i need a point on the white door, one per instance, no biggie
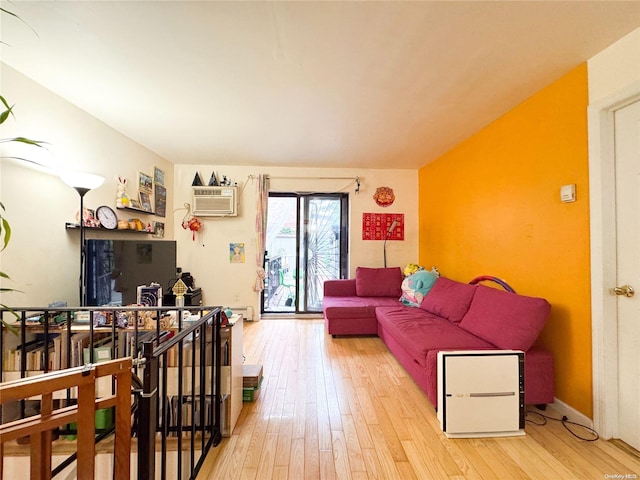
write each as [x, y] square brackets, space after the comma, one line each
[627, 148]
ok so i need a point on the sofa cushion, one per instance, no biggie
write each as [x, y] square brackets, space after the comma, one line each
[506, 319]
[378, 282]
[354, 307]
[340, 287]
[419, 332]
[449, 299]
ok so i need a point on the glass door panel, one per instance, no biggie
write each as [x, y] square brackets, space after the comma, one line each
[306, 245]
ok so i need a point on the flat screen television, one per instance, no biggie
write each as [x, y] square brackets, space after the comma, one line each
[115, 268]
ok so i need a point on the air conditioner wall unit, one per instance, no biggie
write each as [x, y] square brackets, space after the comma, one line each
[215, 201]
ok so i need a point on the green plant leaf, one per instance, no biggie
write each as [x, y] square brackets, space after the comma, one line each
[5, 229]
[8, 290]
[28, 141]
[7, 112]
[4, 10]
[5, 115]
[5, 103]
[10, 13]
[8, 326]
[21, 159]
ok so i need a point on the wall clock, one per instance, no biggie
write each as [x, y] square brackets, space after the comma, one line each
[107, 217]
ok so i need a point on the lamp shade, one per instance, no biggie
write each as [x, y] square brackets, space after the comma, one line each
[85, 181]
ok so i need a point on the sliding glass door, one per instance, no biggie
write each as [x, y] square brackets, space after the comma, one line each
[306, 245]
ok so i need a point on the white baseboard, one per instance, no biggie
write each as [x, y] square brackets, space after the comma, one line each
[571, 413]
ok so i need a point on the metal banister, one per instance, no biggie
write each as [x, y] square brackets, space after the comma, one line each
[199, 324]
[154, 391]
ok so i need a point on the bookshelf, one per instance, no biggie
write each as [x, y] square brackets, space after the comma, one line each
[232, 371]
[65, 348]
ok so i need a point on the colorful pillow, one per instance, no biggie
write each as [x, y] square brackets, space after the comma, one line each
[416, 286]
[507, 320]
[378, 282]
[449, 299]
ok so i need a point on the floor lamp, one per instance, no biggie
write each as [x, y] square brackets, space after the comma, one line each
[82, 183]
[391, 227]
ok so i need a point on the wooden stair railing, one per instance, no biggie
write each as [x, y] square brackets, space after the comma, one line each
[39, 427]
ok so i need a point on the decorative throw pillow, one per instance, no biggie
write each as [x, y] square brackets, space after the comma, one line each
[506, 319]
[416, 286]
[378, 282]
[449, 299]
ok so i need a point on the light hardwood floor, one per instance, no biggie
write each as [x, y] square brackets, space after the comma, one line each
[344, 408]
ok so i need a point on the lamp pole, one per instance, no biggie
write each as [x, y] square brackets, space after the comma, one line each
[81, 183]
[384, 248]
[82, 191]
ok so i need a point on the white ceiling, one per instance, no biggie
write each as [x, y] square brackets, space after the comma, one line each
[328, 84]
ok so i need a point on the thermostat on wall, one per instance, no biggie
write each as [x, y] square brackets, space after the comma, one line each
[568, 193]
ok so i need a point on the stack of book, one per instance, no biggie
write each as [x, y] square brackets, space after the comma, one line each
[251, 380]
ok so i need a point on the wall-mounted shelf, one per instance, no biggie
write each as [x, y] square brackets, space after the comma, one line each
[75, 226]
[139, 210]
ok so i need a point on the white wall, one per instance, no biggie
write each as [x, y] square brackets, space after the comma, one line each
[615, 69]
[42, 257]
[207, 257]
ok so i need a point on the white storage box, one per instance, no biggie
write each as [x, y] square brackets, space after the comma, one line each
[481, 393]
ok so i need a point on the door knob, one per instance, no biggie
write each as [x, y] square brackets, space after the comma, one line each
[625, 290]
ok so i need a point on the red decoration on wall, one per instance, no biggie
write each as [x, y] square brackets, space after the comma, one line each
[384, 196]
[376, 225]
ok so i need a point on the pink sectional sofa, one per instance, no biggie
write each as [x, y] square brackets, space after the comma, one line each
[452, 316]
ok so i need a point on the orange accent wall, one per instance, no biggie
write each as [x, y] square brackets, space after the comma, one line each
[491, 206]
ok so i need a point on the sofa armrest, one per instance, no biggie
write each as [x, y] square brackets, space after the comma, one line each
[340, 288]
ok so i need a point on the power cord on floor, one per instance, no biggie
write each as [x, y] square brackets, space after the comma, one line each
[566, 423]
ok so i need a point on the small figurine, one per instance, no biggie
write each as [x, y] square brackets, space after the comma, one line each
[122, 199]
